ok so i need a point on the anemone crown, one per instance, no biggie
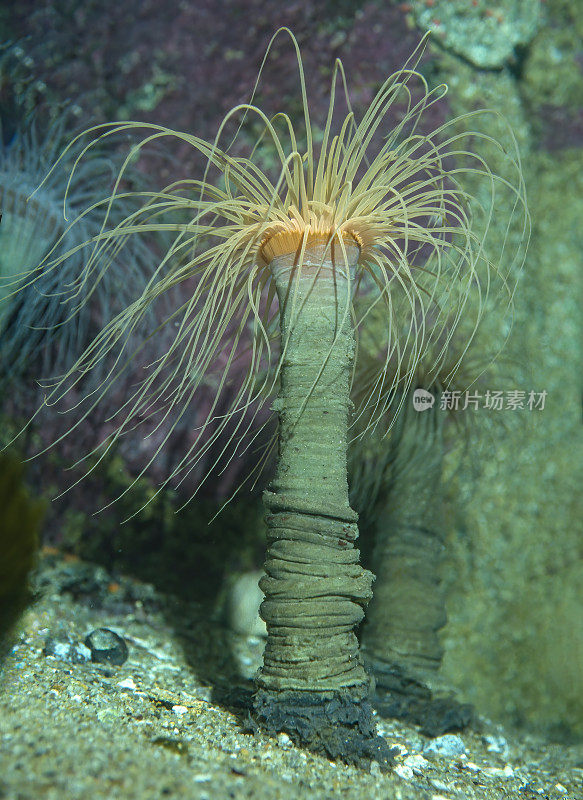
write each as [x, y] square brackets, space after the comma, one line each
[405, 203]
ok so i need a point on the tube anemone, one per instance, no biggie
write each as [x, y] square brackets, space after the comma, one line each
[280, 258]
[397, 486]
[398, 483]
[42, 310]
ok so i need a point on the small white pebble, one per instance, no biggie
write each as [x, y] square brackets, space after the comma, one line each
[200, 778]
[416, 763]
[284, 741]
[447, 745]
[560, 788]
[404, 772]
[469, 765]
[127, 683]
[180, 710]
[77, 698]
[496, 744]
[402, 750]
[375, 769]
[242, 605]
[439, 797]
[496, 772]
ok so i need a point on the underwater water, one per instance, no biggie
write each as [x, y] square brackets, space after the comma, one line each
[509, 508]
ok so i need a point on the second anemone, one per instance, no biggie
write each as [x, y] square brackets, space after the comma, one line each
[46, 314]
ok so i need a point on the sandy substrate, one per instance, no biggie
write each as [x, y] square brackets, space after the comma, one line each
[172, 720]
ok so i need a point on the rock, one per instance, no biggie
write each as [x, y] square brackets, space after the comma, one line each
[448, 746]
[496, 744]
[106, 647]
[485, 34]
[65, 648]
[242, 605]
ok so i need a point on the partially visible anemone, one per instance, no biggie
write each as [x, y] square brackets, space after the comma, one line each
[398, 488]
[465, 354]
[46, 315]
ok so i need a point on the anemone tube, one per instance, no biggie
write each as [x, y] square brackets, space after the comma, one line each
[314, 585]
[399, 640]
[397, 485]
[400, 635]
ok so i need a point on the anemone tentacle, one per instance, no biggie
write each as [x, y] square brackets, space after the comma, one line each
[405, 206]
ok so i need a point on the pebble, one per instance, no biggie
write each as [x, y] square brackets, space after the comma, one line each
[106, 647]
[441, 786]
[496, 772]
[284, 741]
[67, 649]
[417, 764]
[243, 601]
[404, 772]
[496, 744]
[375, 769]
[448, 745]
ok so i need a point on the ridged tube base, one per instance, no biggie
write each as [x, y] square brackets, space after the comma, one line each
[315, 595]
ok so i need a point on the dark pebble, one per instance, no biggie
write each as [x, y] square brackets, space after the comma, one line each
[106, 647]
